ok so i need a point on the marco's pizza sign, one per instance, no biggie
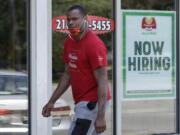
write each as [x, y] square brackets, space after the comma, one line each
[97, 24]
[149, 54]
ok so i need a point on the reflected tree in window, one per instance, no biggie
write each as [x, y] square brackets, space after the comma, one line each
[13, 34]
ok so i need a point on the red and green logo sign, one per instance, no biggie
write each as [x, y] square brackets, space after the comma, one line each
[149, 23]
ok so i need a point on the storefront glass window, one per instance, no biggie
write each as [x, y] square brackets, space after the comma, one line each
[149, 105]
[14, 46]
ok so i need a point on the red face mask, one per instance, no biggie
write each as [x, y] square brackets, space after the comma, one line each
[75, 31]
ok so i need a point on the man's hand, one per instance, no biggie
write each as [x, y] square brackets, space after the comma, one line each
[63, 85]
[100, 124]
[46, 112]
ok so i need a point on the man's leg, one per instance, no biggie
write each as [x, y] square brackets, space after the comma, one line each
[83, 122]
[81, 127]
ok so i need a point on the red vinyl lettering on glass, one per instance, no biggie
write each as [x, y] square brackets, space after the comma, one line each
[98, 24]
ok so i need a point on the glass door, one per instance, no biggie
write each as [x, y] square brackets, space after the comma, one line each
[14, 47]
[149, 67]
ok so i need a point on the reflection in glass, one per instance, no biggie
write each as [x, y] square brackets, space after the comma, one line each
[13, 84]
[168, 5]
[13, 67]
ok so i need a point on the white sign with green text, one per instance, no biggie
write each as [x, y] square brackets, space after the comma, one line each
[149, 44]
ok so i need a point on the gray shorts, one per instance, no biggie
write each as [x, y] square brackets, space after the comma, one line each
[84, 118]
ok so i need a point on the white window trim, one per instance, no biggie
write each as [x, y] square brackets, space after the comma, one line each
[41, 64]
[119, 82]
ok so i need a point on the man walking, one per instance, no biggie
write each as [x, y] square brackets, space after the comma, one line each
[85, 56]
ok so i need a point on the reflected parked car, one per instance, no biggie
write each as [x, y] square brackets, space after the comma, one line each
[14, 106]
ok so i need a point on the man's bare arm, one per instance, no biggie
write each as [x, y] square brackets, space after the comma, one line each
[102, 81]
[63, 85]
